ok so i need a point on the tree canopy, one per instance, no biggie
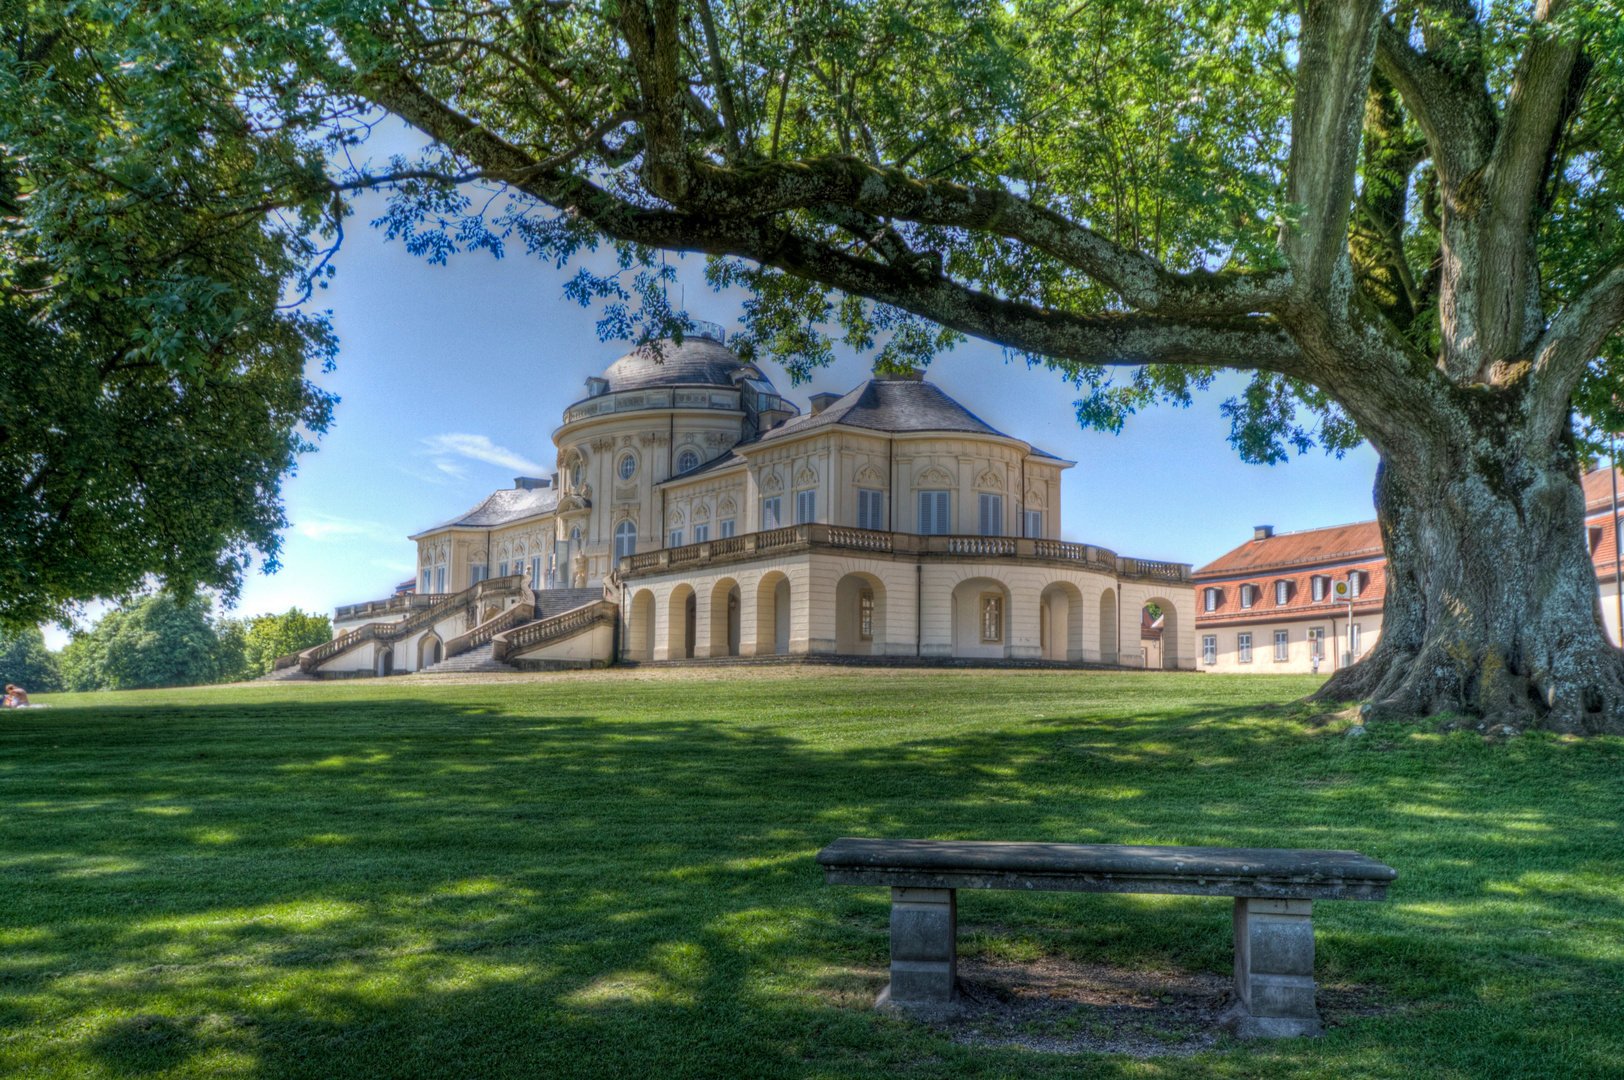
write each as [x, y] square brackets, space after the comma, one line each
[152, 389]
[154, 641]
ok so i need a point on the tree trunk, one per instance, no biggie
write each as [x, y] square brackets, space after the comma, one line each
[1491, 605]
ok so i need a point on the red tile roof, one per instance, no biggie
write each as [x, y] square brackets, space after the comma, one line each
[1337, 544]
[1599, 490]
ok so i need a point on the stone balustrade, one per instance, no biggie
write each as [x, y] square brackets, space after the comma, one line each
[818, 537]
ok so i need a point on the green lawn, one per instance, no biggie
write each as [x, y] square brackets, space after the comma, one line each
[612, 876]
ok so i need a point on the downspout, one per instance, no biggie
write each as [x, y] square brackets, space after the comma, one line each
[919, 609]
[1119, 624]
[1020, 499]
[891, 488]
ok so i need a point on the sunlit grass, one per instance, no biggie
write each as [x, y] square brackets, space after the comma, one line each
[607, 875]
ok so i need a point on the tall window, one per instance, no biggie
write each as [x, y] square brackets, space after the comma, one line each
[1034, 524]
[1282, 645]
[990, 520]
[724, 528]
[439, 579]
[577, 474]
[1318, 587]
[1243, 648]
[676, 538]
[806, 507]
[865, 615]
[772, 512]
[625, 540]
[628, 466]
[1353, 640]
[479, 573]
[1316, 642]
[552, 569]
[687, 461]
[701, 533]
[992, 617]
[870, 509]
[535, 572]
[1282, 592]
[1246, 596]
[426, 580]
[501, 570]
[933, 513]
[1211, 598]
[1209, 649]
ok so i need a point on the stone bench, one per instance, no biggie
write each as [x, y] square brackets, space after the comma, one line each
[1274, 891]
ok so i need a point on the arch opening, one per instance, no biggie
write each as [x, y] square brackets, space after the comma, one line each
[1060, 622]
[771, 631]
[1108, 627]
[725, 604]
[860, 615]
[640, 628]
[679, 627]
[981, 618]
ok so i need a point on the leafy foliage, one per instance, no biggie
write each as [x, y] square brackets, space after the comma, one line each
[25, 661]
[267, 637]
[152, 390]
[155, 641]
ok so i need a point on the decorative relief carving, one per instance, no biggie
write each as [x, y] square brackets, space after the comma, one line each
[770, 483]
[719, 439]
[675, 519]
[868, 474]
[600, 445]
[628, 493]
[1034, 499]
[701, 512]
[727, 506]
[625, 440]
[990, 478]
[653, 438]
[933, 477]
[806, 477]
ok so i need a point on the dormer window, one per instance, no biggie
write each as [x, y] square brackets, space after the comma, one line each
[1318, 585]
[1247, 592]
[1282, 593]
[1355, 581]
[1211, 599]
[596, 385]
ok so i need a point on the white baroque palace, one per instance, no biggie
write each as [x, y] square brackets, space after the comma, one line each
[696, 513]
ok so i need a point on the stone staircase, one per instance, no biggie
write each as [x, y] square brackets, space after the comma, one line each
[287, 674]
[475, 661]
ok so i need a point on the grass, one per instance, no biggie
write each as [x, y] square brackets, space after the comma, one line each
[603, 875]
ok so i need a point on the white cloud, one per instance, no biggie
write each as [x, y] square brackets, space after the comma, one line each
[325, 527]
[445, 448]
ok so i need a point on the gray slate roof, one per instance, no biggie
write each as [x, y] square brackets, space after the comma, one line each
[697, 361]
[501, 508]
[893, 405]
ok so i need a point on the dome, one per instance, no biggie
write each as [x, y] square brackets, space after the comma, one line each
[697, 361]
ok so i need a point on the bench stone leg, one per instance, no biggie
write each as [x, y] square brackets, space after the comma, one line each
[924, 953]
[1274, 969]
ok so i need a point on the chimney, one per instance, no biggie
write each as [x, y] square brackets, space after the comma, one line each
[1262, 532]
[823, 401]
[530, 483]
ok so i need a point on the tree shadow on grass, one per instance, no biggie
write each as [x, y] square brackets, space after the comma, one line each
[417, 887]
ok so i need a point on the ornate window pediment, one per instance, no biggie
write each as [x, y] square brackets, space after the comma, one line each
[575, 504]
[701, 512]
[990, 478]
[933, 477]
[1034, 498]
[675, 519]
[727, 506]
[806, 477]
[770, 482]
[868, 474]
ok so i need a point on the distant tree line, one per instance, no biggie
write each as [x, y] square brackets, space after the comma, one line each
[158, 641]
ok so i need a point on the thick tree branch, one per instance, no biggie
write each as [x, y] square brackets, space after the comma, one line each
[1336, 49]
[1452, 107]
[1570, 343]
[1535, 107]
[1248, 342]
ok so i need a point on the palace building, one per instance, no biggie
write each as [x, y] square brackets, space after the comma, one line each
[1271, 604]
[696, 513]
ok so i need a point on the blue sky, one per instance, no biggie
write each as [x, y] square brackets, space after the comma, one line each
[452, 378]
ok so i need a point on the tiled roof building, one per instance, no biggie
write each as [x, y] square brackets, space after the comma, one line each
[1272, 604]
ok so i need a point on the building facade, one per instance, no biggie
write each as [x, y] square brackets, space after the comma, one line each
[1273, 604]
[701, 514]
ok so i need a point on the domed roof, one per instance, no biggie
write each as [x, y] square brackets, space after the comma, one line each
[698, 360]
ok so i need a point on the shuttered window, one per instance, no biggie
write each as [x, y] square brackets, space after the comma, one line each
[701, 533]
[1034, 524]
[1209, 649]
[725, 528]
[1243, 648]
[772, 512]
[933, 513]
[1282, 645]
[870, 509]
[991, 517]
[806, 507]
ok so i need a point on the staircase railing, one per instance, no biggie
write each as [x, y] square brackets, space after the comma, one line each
[310, 659]
[535, 634]
[506, 619]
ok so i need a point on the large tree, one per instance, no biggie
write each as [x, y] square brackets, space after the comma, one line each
[152, 345]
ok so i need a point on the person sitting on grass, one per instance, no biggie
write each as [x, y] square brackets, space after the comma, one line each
[16, 696]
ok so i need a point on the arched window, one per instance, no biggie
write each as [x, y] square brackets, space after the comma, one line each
[577, 474]
[687, 461]
[628, 467]
[625, 540]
